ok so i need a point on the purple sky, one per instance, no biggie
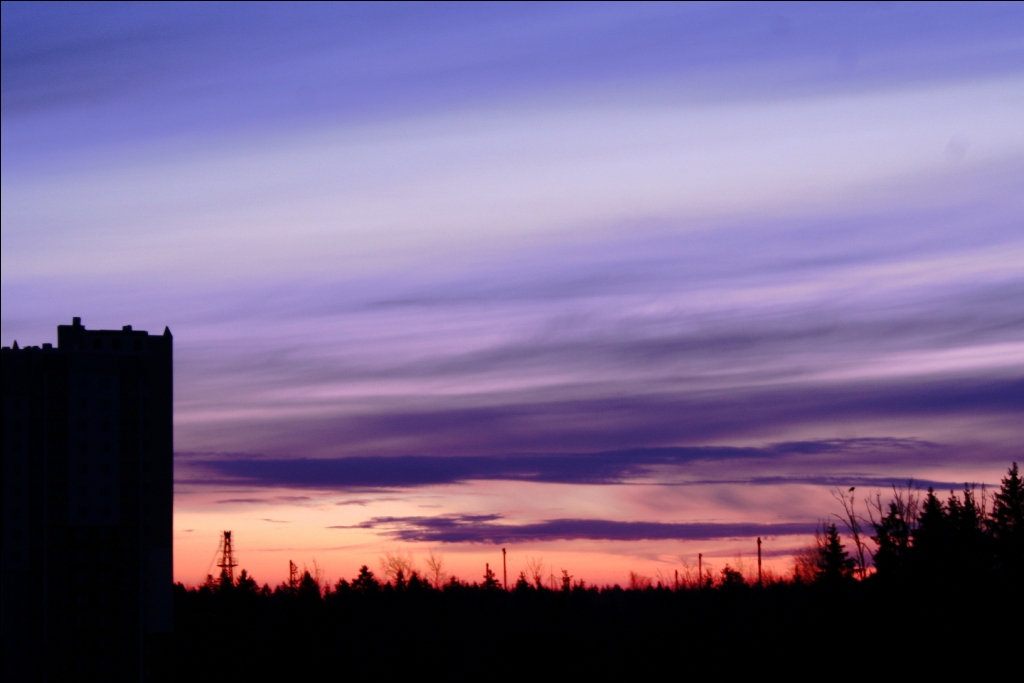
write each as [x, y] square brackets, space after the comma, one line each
[546, 275]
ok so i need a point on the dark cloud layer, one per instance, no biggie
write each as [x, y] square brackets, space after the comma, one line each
[603, 468]
[696, 416]
[641, 420]
[488, 529]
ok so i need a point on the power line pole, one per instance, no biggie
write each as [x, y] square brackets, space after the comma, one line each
[293, 575]
[504, 568]
[700, 570]
[758, 560]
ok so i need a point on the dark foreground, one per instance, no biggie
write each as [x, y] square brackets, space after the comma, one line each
[944, 585]
[413, 626]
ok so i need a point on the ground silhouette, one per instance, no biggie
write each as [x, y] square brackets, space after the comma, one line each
[944, 573]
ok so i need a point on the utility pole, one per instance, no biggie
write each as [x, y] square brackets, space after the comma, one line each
[293, 575]
[700, 570]
[758, 560]
[227, 562]
[677, 579]
[504, 568]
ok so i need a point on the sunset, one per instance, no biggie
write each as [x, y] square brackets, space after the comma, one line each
[607, 291]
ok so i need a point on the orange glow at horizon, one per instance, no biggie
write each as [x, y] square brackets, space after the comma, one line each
[320, 530]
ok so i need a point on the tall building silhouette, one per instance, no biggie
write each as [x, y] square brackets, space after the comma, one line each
[87, 499]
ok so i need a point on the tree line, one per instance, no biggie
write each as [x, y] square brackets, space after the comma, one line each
[922, 539]
[931, 557]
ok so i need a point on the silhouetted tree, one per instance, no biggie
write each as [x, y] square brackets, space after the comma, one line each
[535, 566]
[246, 584]
[805, 561]
[490, 581]
[416, 583]
[224, 582]
[639, 582]
[1007, 525]
[969, 547]
[309, 589]
[894, 532]
[853, 524]
[932, 537]
[732, 578]
[834, 563]
[365, 582]
[435, 565]
[210, 584]
[394, 563]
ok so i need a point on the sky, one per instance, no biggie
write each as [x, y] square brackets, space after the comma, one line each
[609, 285]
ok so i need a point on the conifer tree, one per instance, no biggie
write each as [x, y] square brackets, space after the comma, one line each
[970, 548]
[1007, 525]
[309, 589]
[894, 532]
[490, 580]
[365, 582]
[931, 538]
[246, 584]
[834, 563]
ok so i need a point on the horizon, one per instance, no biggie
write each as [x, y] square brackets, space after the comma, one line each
[609, 285]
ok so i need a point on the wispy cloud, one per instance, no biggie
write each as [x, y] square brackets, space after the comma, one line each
[656, 465]
[489, 529]
[271, 500]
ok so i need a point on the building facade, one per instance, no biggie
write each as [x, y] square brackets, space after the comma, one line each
[87, 504]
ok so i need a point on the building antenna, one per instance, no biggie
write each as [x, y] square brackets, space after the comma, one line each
[227, 562]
